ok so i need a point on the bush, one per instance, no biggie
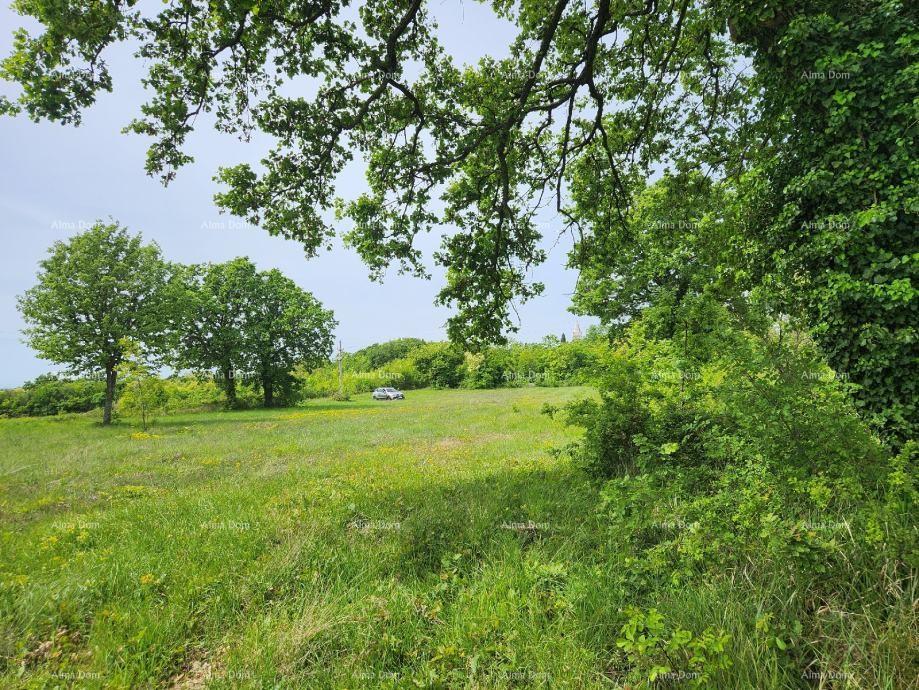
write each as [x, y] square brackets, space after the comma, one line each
[193, 392]
[734, 459]
[442, 364]
[50, 395]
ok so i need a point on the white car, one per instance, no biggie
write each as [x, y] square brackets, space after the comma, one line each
[388, 394]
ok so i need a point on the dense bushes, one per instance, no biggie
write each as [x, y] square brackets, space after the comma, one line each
[733, 461]
[49, 395]
[441, 365]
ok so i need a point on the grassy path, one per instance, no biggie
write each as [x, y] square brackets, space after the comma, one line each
[433, 542]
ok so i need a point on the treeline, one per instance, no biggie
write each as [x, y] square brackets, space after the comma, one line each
[52, 394]
[410, 363]
[110, 308]
[49, 395]
[116, 313]
[407, 363]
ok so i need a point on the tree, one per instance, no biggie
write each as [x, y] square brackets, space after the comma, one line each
[143, 393]
[834, 202]
[94, 291]
[286, 326]
[610, 92]
[491, 139]
[219, 303]
[379, 354]
[680, 239]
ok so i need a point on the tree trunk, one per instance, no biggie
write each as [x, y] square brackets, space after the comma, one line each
[268, 388]
[110, 376]
[229, 385]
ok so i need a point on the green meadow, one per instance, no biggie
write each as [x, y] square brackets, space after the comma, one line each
[442, 541]
[431, 542]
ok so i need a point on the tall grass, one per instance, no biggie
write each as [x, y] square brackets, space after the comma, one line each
[433, 542]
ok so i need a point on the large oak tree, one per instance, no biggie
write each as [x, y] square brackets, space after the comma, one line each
[217, 302]
[96, 292]
[250, 325]
[287, 327]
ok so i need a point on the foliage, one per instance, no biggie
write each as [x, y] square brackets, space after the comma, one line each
[251, 327]
[322, 382]
[218, 301]
[287, 327]
[143, 393]
[483, 136]
[739, 451]
[440, 363]
[379, 354]
[658, 654]
[680, 240]
[514, 365]
[834, 206]
[185, 393]
[50, 395]
[94, 290]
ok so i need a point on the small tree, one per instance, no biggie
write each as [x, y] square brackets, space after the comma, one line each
[144, 392]
[93, 291]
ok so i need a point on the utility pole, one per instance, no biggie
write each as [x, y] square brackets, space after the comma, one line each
[341, 380]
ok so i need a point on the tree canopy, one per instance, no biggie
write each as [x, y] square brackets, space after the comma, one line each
[802, 112]
[622, 84]
[218, 299]
[94, 292]
[287, 326]
[250, 325]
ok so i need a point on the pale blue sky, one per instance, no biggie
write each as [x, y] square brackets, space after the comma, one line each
[55, 179]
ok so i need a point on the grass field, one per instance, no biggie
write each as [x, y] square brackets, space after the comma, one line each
[431, 542]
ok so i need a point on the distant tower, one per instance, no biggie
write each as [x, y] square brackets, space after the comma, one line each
[576, 332]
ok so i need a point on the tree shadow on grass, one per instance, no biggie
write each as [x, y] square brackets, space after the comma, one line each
[252, 415]
[478, 517]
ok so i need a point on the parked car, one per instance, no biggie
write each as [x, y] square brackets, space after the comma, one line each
[388, 394]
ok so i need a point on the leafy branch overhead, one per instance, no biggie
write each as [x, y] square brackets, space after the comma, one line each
[758, 150]
[627, 84]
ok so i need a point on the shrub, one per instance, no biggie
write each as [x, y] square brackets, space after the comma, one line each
[50, 395]
[658, 653]
[442, 364]
[737, 454]
[193, 392]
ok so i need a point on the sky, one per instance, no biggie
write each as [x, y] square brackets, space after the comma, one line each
[57, 180]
